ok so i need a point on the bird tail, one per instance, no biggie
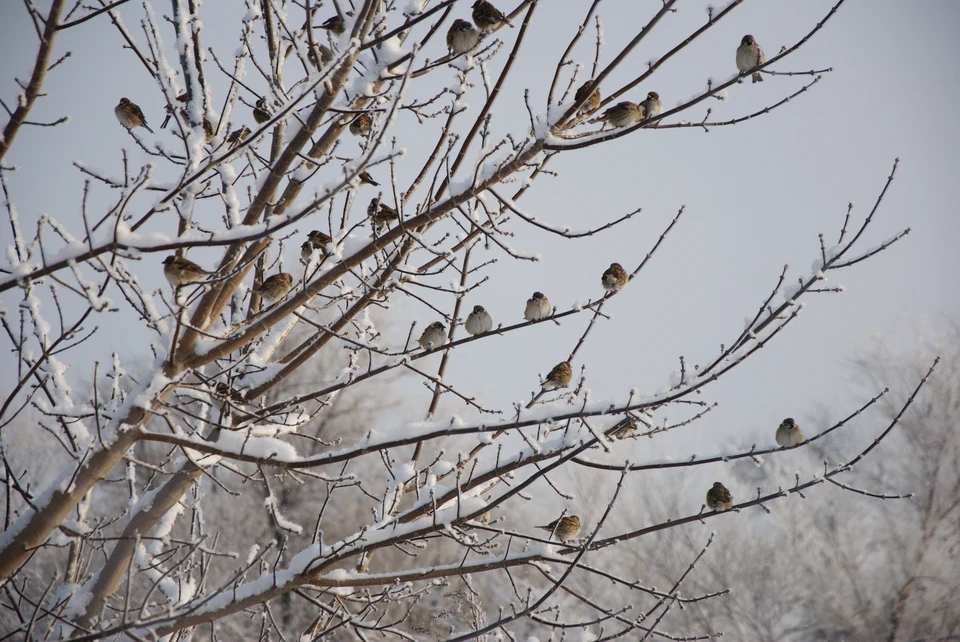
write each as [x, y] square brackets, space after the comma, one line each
[147, 128]
[757, 77]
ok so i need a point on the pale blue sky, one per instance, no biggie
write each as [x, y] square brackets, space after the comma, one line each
[802, 164]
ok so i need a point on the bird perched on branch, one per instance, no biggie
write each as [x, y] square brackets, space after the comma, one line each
[334, 25]
[360, 126]
[719, 498]
[130, 115]
[380, 213]
[316, 242]
[623, 114]
[789, 433]
[591, 101]
[261, 113]
[433, 336]
[614, 278]
[274, 287]
[478, 322]
[462, 37]
[486, 16]
[180, 271]
[627, 429]
[237, 136]
[559, 377]
[652, 107]
[565, 528]
[750, 56]
[538, 307]
[366, 178]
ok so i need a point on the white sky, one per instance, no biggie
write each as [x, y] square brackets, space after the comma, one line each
[801, 165]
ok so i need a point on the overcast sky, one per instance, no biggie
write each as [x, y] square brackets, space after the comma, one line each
[892, 94]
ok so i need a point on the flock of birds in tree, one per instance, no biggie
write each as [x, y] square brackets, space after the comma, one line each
[463, 37]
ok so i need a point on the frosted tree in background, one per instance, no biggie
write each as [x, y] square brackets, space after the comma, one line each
[246, 478]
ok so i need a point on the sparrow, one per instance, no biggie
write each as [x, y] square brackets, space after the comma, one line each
[223, 391]
[462, 37]
[627, 429]
[237, 136]
[366, 178]
[538, 307]
[719, 498]
[316, 241]
[260, 113]
[559, 377]
[326, 55]
[433, 336]
[622, 114]
[750, 56]
[381, 214]
[274, 287]
[789, 433]
[592, 102]
[479, 321]
[334, 25]
[565, 528]
[614, 278]
[486, 16]
[361, 125]
[130, 115]
[652, 107]
[180, 271]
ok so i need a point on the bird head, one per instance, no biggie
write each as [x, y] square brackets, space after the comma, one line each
[477, 309]
[653, 96]
[748, 40]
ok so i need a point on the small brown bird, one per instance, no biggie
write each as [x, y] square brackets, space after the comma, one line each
[478, 322]
[591, 101]
[538, 307]
[261, 113]
[180, 271]
[719, 498]
[565, 528]
[366, 178]
[626, 430]
[130, 115]
[360, 126]
[316, 242]
[326, 55]
[462, 37]
[789, 433]
[274, 287]
[381, 214]
[559, 377]
[614, 278]
[237, 136]
[750, 56]
[334, 25]
[433, 336]
[623, 114]
[652, 107]
[486, 16]
[223, 391]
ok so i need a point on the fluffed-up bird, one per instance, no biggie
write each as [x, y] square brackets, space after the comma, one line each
[478, 322]
[180, 271]
[334, 25]
[326, 55]
[261, 113]
[623, 114]
[462, 37]
[614, 278]
[627, 429]
[538, 307]
[486, 16]
[237, 136]
[316, 242]
[559, 377]
[750, 56]
[274, 287]
[381, 214]
[719, 498]
[789, 433]
[130, 115]
[565, 528]
[366, 178]
[433, 336]
[591, 101]
[652, 107]
[360, 126]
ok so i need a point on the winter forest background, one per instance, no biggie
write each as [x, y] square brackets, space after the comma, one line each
[198, 463]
